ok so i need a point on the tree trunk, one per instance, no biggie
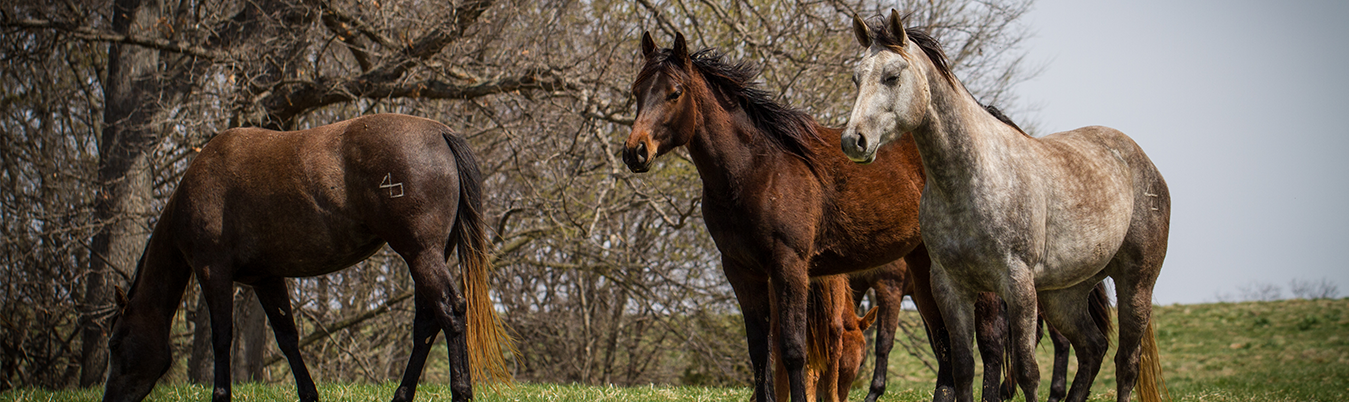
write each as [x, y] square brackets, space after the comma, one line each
[130, 90]
[251, 340]
[201, 363]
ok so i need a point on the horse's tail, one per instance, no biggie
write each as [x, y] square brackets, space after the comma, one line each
[1098, 305]
[1008, 388]
[819, 314]
[1151, 387]
[818, 301]
[486, 335]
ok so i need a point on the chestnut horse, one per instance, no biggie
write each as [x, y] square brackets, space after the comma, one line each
[779, 199]
[257, 206]
[835, 359]
[1036, 220]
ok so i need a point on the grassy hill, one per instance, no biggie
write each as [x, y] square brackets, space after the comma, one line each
[1292, 350]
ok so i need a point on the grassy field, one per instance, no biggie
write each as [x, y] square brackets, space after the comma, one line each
[1292, 350]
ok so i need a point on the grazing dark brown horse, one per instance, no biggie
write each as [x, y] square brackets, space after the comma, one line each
[779, 199]
[257, 206]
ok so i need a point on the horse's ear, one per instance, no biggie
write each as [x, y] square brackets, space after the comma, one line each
[648, 45]
[867, 320]
[680, 49]
[860, 30]
[897, 28]
[121, 297]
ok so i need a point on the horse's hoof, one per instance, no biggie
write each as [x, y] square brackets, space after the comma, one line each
[944, 394]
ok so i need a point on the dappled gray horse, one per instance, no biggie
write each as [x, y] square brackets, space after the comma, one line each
[1008, 213]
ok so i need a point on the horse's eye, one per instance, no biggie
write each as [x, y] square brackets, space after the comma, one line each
[890, 80]
[674, 94]
[855, 82]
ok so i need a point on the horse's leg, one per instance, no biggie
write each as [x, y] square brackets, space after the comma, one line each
[957, 310]
[752, 293]
[1058, 384]
[275, 300]
[219, 295]
[792, 286]
[991, 334]
[1019, 294]
[835, 305]
[424, 331]
[435, 292]
[1134, 300]
[920, 266]
[889, 299]
[1066, 310]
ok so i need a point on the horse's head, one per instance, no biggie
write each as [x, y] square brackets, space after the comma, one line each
[137, 357]
[892, 88]
[667, 112]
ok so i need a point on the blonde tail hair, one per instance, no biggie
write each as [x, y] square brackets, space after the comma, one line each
[487, 338]
[1151, 387]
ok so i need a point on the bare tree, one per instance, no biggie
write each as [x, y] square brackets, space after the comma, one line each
[1313, 290]
[1259, 291]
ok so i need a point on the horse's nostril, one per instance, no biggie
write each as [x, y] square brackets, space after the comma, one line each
[861, 142]
[641, 152]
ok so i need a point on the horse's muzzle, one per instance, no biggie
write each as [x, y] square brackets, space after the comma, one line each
[855, 147]
[637, 157]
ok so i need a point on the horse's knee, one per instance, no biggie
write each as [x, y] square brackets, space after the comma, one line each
[794, 357]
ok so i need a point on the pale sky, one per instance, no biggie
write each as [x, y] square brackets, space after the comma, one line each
[1242, 105]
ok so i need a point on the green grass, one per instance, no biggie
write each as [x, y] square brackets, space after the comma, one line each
[1293, 350]
[425, 392]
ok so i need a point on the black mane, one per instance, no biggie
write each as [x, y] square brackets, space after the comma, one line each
[997, 113]
[787, 128]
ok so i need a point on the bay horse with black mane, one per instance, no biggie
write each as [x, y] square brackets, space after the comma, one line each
[257, 206]
[779, 199]
[1040, 221]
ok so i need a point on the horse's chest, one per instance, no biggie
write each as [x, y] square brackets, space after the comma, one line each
[969, 242]
[738, 236]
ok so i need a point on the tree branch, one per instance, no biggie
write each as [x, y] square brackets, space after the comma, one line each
[297, 97]
[431, 43]
[95, 35]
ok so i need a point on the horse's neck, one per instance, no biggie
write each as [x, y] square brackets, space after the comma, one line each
[724, 148]
[960, 137]
[161, 275]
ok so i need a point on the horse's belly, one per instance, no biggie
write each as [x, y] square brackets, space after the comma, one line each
[303, 243]
[1069, 263]
[305, 261]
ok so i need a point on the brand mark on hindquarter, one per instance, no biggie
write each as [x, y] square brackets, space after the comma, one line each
[395, 189]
